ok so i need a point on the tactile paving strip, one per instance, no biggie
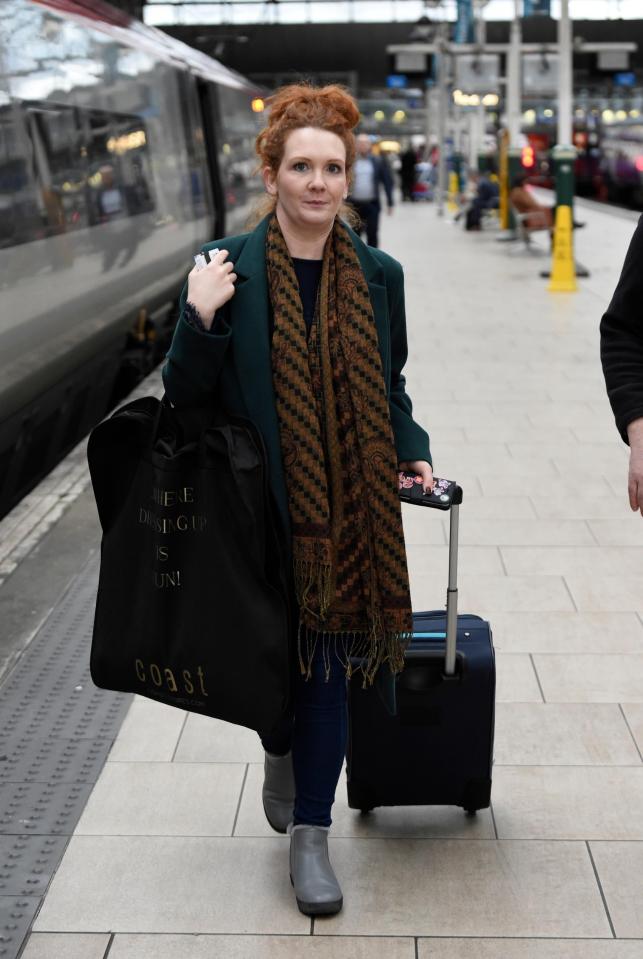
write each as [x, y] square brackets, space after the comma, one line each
[41, 809]
[56, 730]
[16, 917]
[28, 863]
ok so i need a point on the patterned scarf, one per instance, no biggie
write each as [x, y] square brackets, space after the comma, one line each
[351, 578]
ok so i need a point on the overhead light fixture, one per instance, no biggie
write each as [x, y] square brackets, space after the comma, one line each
[424, 28]
[422, 31]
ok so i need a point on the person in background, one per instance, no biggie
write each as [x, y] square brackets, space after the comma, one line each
[407, 173]
[487, 197]
[370, 174]
[539, 216]
[621, 332]
[111, 202]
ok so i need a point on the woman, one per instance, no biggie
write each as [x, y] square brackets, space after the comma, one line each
[301, 326]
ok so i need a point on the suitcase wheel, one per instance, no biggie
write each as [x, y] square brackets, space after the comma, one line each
[471, 812]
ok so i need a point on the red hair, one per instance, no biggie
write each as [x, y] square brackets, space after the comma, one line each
[300, 105]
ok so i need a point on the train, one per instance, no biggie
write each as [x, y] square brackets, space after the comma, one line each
[122, 150]
[621, 163]
[609, 161]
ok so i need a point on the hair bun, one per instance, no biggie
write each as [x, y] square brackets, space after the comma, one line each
[342, 103]
[331, 106]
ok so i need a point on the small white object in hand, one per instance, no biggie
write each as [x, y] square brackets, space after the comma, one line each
[213, 253]
[200, 261]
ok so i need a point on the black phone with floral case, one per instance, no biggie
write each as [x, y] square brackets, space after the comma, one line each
[411, 491]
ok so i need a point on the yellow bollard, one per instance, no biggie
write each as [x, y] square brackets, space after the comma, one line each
[563, 269]
[454, 184]
[504, 181]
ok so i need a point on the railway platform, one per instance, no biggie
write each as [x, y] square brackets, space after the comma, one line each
[134, 830]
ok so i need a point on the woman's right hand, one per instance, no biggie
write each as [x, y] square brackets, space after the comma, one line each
[212, 286]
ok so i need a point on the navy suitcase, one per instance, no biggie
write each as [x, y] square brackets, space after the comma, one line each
[435, 745]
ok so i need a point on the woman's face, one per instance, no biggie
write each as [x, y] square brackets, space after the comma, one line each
[311, 181]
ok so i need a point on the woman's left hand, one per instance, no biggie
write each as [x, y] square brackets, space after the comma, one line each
[422, 468]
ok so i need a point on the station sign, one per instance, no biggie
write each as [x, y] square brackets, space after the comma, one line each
[539, 74]
[613, 60]
[410, 62]
[478, 73]
[537, 8]
[624, 79]
[464, 23]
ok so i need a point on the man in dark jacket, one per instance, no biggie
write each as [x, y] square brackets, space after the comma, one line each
[408, 160]
[622, 359]
[487, 198]
[370, 173]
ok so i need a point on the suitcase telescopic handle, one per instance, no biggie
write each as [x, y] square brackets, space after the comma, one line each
[452, 585]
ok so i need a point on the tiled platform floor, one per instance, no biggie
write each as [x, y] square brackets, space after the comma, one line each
[173, 858]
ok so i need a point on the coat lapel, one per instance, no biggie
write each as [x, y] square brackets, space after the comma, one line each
[250, 324]
[374, 274]
[250, 315]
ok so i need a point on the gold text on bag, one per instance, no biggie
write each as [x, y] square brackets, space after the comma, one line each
[163, 580]
[164, 676]
[170, 497]
[183, 523]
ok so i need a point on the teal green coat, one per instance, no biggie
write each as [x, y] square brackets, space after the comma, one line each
[235, 361]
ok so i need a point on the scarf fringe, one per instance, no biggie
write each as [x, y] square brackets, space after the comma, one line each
[372, 651]
[313, 586]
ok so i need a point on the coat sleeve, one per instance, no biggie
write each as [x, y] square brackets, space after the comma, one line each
[622, 339]
[194, 360]
[411, 441]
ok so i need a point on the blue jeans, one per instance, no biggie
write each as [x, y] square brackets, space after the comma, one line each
[316, 733]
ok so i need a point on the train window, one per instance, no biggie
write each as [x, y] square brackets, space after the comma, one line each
[63, 169]
[237, 157]
[119, 174]
[20, 217]
[57, 166]
[200, 193]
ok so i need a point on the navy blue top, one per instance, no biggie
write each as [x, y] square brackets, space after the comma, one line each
[308, 276]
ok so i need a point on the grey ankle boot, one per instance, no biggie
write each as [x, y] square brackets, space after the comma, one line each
[278, 790]
[316, 887]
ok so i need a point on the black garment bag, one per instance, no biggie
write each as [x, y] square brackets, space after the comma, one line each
[192, 605]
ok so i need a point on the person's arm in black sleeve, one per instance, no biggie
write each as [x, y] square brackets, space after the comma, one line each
[622, 340]
[622, 359]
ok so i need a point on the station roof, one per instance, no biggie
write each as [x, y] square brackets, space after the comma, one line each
[302, 50]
